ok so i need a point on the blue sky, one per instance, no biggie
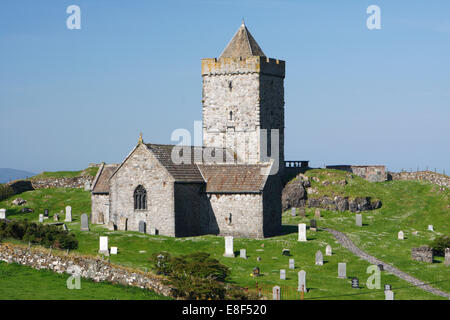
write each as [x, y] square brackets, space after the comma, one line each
[353, 96]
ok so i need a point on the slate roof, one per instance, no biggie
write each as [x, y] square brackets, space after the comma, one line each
[242, 45]
[235, 178]
[101, 184]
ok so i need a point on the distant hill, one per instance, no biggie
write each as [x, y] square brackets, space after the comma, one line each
[7, 174]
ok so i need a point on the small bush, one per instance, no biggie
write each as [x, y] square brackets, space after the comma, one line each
[439, 245]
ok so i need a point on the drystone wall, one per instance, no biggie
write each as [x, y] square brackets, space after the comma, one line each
[432, 177]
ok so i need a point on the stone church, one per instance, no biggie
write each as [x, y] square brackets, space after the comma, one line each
[228, 186]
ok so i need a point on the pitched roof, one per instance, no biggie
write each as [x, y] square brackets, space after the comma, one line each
[242, 45]
[101, 184]
[235, 178]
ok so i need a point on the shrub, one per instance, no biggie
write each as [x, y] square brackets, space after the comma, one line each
[5, 191]
[439, 245]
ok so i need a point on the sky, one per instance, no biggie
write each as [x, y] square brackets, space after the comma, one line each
[69, 98]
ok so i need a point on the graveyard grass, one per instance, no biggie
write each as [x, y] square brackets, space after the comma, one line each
[407, 206]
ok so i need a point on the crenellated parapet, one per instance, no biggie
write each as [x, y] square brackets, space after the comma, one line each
[241, 65]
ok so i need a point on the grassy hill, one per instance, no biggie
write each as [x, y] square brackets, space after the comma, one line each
[91, 171]
[407, 206]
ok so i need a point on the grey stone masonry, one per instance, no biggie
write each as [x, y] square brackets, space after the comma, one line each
[447, 256]
[424, 254]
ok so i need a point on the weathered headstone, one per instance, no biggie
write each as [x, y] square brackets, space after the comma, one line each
[276, 293]
[302, 232]
[122, 224]
[313, 225]
[389, 295]
[319, 258]
[293, 211]
[430, 227]
[113, 250]
[2, 213]
[286, 252]
[359, 219]
[55, 217]
[291, 264]
[41, 218]
[400, 235]
[45, 212]
[381, 267]
[103, 245]
[328, 250]
[65, 227]
[84, 222]
[302, 213]
[243, 253]
[302, 281]
[283, 274]
[355, 283]
[142, 226]
[447, 257]
[68, 214]
[229, 251]
[342, 270]
[317, 213]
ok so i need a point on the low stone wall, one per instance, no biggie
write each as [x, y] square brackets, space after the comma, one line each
[433, 177]
[371, 173]
[424, 254]
[75, 182]
[91, 268]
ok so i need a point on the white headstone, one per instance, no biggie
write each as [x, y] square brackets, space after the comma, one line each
[328, 251]
[430, 227]
[282, 274]
[389, 295]
[401, 236]
[342, 270]
[41, 218]
[103, 245]
[276, 293]
[291, 264]
[68, 214]
[302, 281]
[302, 232]
[2, 213]
[359, 220]
[319, 258]
[113, 250]
[229, 251]
[243, 253]
[293, 211]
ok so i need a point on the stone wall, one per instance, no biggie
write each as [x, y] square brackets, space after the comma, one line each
[432, 177]
[370, 173]
[74, 182]
[424, 254]
[91, 268]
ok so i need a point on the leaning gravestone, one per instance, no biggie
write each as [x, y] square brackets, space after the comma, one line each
[142, 226]
[389, 295]
[84, 222]
[302, 232]
[291, 264]
[400, 235]
[302, 281]
[2, 213]
[293, 212]
[68, 214]
[41, 218]
[243, 253]
[359, 220]
[342, 270]
[282, 274]
[103, 246]
[447, 257]
[276, 293]
[229, 252]
[328, 251]
[319, 258]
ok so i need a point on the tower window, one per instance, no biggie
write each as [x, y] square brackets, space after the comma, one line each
[230, 85]
[140, 198]
[231, 116]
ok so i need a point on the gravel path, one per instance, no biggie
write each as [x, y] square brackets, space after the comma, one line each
[348, 244]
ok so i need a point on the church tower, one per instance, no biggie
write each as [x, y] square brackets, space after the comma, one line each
[243, 94]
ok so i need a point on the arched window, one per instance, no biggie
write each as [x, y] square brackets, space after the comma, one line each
[140, 198]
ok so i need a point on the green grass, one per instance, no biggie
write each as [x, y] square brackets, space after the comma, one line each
[91, 171]
[406, 206]
[19, 282]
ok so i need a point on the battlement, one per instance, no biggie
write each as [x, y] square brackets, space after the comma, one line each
[240, 65]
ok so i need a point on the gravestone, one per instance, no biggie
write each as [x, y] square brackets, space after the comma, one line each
[389, 295]
[258, 259]
[381, 267]
[302, 213]
[55, 217]
[359, 220]
[293, 212]
[313, 225]
[68, 214]
[84, 222]
[328, 251]
[447, 257]
[317, 213]
[229, 252]
[243, 253]
[415, 233]
[111, 226]
[387, 287]
[286, 252]
[65, 227]
[319, 258]
[302, 232]
[142, 226]
[355, 283]
[45, 212]
[283, 274]
[430, 227]
[342, 270]
[122, 224]
[103, 246]
[153, 231]
[2, 213]
[256, 272]
[276, 293]
[400, 235]
[113, 250]
[302, 281]
[291, 264]
[41, 218]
